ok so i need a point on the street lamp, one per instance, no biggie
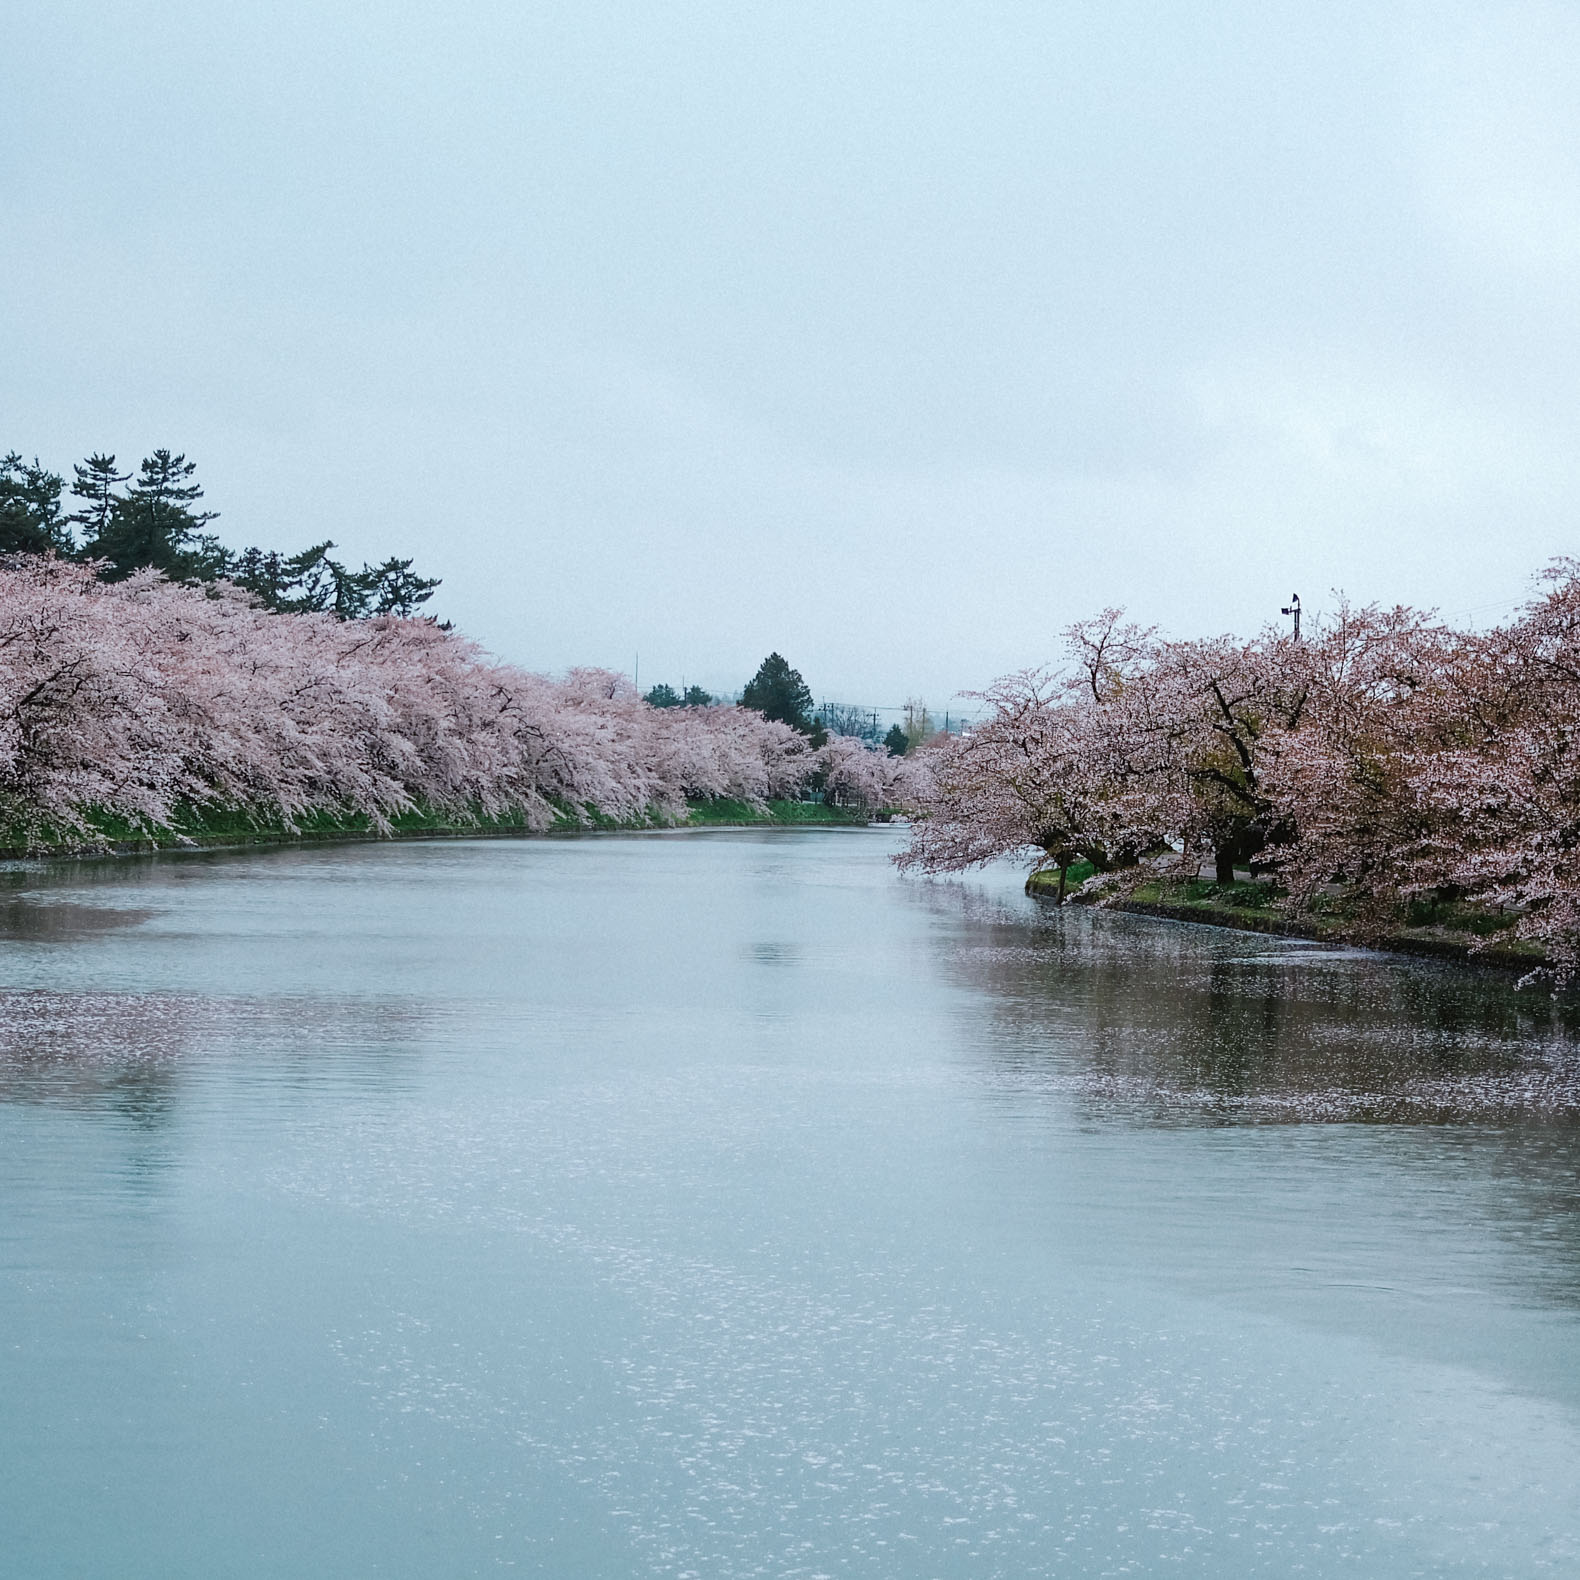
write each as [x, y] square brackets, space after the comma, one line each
[1293, 607]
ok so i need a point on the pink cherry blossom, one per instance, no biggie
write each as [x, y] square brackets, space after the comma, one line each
[136, 698]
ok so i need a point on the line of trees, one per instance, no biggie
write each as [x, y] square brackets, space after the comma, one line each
[851, 768]
[139, 697]
[126, 522]
[1387, 753]
[145, 667]
[663, 696]
[778, 691]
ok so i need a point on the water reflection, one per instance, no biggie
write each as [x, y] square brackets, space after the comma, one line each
[1172, 1024]
[726, 1206]
[60, 921]
[1434, 1098]
[128, 1054]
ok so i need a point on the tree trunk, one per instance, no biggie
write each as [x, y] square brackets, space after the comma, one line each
[1224, 862]
[1062, 873]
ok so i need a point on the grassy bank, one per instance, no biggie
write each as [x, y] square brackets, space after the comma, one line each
[782, 814]
[218, 827]
[1447, 931]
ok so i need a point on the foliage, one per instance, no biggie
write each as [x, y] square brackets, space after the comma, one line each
[143, 699]
[665, 696]
[313, 583]
[30, 509]
[1387, 760]
[778, 692]
[855, 773]
[97, 485]
[155, 525]
[897, 741]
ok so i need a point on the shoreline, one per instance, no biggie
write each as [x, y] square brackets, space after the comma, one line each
[200, 833]
[1434, 943]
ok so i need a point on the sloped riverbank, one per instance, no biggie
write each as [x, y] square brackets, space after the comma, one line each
[1451, 933]
[217, 828]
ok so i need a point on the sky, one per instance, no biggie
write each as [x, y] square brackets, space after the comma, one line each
[894, 337]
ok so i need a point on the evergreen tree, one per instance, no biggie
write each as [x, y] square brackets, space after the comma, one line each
[265, 574]
[394, 588]
[696, 697]
[306, 583]
[778, 692]
[313, 583]
[898, 742]
[97, 485]
[155, 525]
[30, 518]
[662, 696]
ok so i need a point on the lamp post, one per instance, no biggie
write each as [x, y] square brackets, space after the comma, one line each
[1293, 607]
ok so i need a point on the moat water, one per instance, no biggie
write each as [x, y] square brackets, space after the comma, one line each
[725, 1205]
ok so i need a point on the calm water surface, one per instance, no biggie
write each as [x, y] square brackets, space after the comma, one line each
[723, 1205]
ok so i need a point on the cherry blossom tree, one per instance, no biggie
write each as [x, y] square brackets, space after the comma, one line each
[1384, 760]
[1497, 778]
[857, 773]
[139, 698]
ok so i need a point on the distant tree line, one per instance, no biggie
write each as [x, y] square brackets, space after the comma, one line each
[152, 520]
[141, 702]
[780, 693]
[662, 696]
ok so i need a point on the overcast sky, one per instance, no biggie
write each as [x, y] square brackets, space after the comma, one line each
[893, 337]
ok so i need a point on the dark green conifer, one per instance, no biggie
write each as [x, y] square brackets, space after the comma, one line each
[97, 484]
[313, 583]
[778, 692]
[155, 525]
[30, 518]
[394, 588]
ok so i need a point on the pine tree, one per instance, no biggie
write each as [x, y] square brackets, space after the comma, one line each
[778, 692]
[263, 573]
[97, 485]
[395, 588]
[154, 524]
[30, 519]
[313, 583]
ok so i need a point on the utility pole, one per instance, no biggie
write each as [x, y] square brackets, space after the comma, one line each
[1293, 607]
